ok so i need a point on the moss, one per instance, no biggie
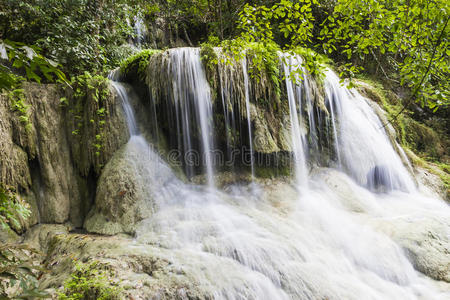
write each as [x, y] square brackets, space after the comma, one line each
[271, 172]
[422, 139]
[135, 66]
[209, 56]
[445, 176]
[440, 169]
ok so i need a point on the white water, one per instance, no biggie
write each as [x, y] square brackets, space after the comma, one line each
[247, 108]
[192, 98]
[298, 137]
[139, 30]
[327, 245]
[362, 144]
[128, 110]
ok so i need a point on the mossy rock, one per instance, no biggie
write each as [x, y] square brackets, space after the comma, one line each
[423, 139]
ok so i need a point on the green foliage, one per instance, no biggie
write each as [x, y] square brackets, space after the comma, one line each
[263, 57]
[79, 34]
[137, 64]
[313, 63]
[13, 209]
[293, 19]
[94, 88]
[18, 104]
[208, 54]
[15, 56]
[406, 37]
[18, 270]
[90, 281]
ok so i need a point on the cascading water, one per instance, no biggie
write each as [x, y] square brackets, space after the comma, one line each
[362, 145]
[294, 98]
[247, 108]
[193, 107]
[232, 246]
[129, 114]
[139, 30]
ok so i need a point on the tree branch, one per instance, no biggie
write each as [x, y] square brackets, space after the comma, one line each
[411, 97]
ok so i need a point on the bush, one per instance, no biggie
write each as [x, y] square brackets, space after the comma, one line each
[90, 281]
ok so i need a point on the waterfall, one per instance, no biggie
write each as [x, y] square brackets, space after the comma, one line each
[129, 114]
[139, 30]
[247, 108]
[362, 145]
[231, 245]
[226, 92]
[294, 98]
[192, 99]
[114, 76]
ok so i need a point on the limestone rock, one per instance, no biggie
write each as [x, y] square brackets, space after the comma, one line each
[125, 190]
[42, 162]
[426, 242]
[39, 236]
[142, 271]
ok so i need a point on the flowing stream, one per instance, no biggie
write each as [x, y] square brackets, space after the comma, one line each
[322, 242]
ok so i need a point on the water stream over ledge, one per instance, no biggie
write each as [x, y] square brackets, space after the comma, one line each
[326, 240]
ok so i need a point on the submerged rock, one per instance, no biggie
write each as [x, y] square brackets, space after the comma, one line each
[426, 242]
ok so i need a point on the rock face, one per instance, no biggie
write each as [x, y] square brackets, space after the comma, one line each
[42, 162]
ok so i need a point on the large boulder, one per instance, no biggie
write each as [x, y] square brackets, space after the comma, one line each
[128, 189]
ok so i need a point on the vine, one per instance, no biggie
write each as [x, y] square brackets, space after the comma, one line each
[18, 104]
[86, 88]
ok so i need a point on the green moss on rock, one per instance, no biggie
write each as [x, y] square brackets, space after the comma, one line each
[134, 68]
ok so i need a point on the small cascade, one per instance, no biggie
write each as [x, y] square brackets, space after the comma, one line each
[313, 134]
[247, 107]
[123, 95]
[139, 31]
[226, 93]
[129, 113]
[193, 107]
[362, 145]
[295, 107]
